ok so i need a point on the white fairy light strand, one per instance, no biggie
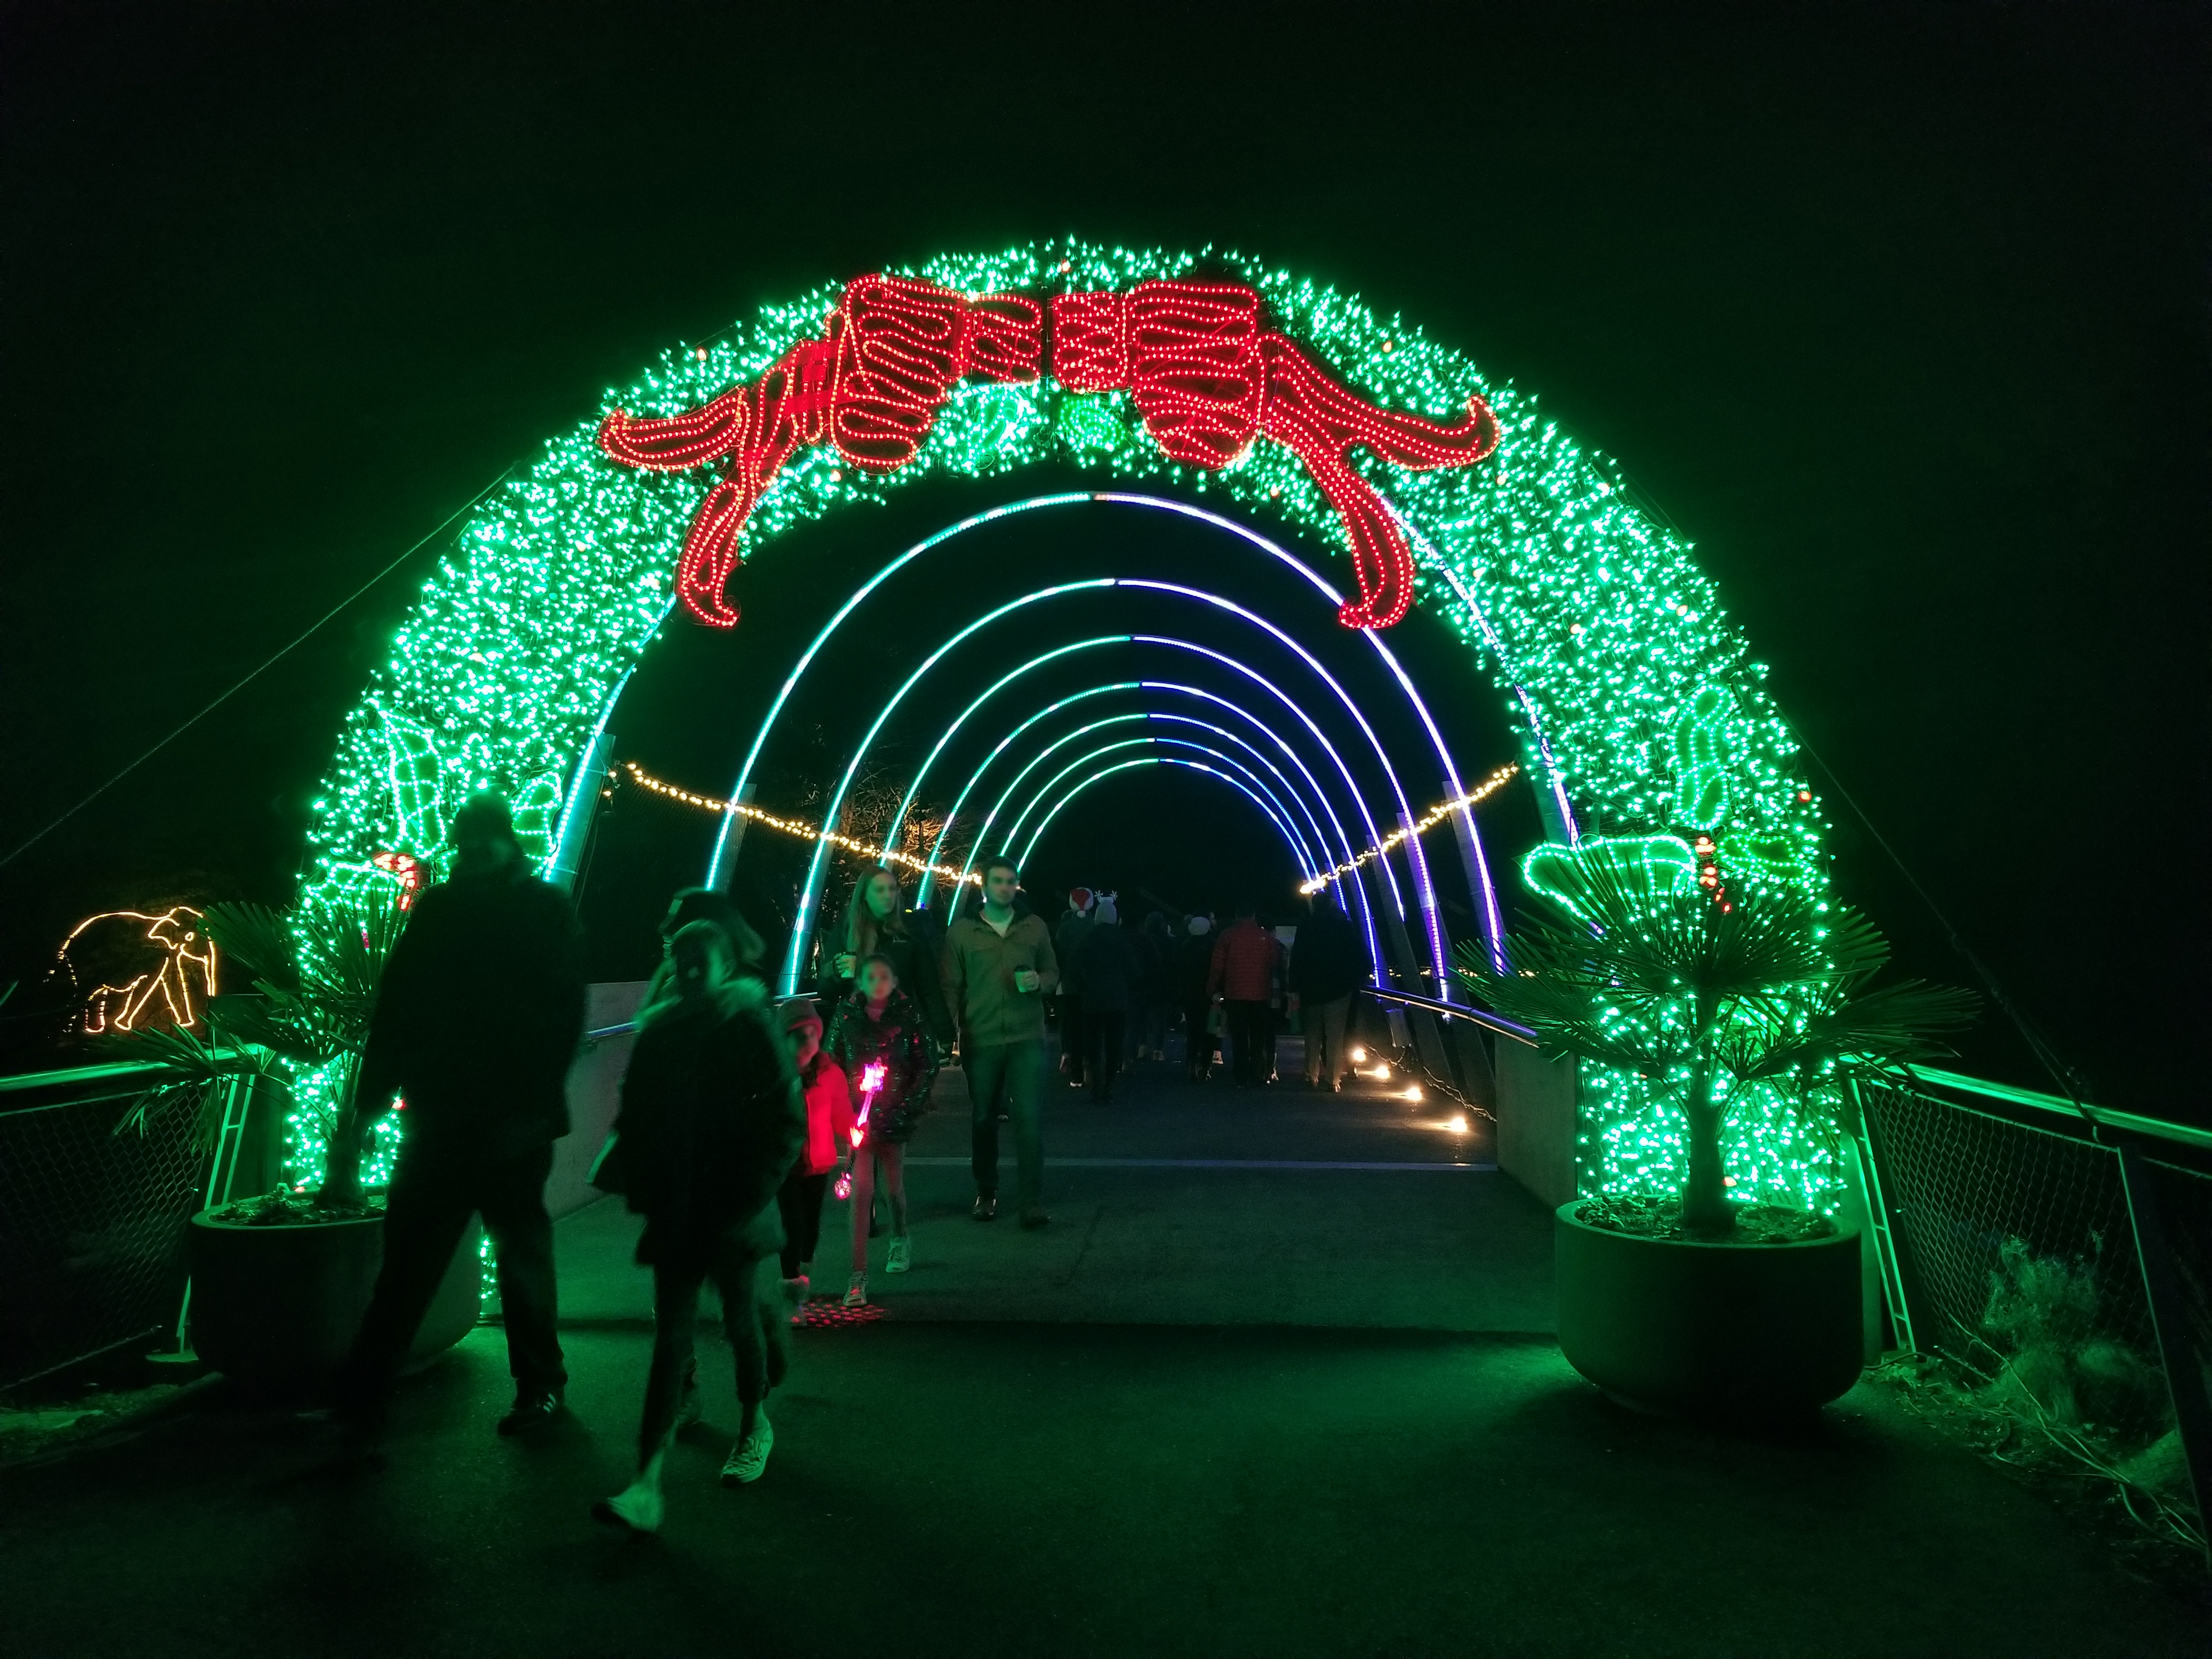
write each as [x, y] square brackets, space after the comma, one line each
[867, 850]
[1435, 815]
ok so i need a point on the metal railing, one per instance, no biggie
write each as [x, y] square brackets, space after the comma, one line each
[1957, 1167]
[93, 1213]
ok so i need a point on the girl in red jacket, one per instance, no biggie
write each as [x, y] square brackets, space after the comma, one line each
[828, 1132]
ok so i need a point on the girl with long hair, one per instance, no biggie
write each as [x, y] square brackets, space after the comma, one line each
[876, 1035]
[711, 1121]
[877, 923]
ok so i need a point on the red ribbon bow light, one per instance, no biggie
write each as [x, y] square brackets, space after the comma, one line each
[1207, 378]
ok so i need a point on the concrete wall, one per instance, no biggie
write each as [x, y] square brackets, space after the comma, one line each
[1536, 1121]
[594, 1092]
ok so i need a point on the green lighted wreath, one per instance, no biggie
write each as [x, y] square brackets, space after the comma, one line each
[1638, 707]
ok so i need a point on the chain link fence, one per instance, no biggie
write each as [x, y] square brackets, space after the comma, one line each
[1959, 1182]
[92, 1228]
[2002, 1207]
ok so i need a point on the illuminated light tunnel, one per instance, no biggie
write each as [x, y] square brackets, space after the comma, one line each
[1489, 922]
[1312, 858]
[802, 928]
[1321, 837]
[1045, 823]
[1595, 621]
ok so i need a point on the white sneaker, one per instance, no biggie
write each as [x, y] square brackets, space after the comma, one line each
[637, 1506]
[902, 1256]
[749, 1457]
[856, 1292]
[794, 1298]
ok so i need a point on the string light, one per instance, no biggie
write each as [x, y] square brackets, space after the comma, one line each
[793, 827]
[1421, 826]
[1593, 621]
[873, 386]
[1206, 378]
[175, 932]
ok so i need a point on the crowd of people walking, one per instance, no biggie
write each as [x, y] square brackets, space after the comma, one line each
[740, 1116]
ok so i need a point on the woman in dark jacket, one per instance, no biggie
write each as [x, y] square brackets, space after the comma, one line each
[711, 1121]
[879, 1024]
[877, 923]
[1113, 975]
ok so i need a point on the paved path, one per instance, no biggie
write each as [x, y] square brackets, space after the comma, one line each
[1270, 1417]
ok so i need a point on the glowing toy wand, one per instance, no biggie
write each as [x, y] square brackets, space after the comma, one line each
[872, 1084]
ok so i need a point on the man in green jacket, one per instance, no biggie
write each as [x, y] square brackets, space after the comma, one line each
[998, 966]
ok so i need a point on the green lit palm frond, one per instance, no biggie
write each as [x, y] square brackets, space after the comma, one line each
[260, 940]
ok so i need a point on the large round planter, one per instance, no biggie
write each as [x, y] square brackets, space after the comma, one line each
[1730, 1331]
[278, 1307]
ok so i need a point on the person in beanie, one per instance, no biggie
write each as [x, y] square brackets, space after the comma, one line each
[999, 967]
[478, 1014]
[711, 1123]
[829, 1131]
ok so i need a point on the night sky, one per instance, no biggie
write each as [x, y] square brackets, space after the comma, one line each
[1898, 314]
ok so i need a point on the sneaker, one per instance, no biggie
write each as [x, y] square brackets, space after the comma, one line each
[749, 1457]
[1034, 1217]
[532, 1408]
[856, 1292]
[794, 1297]
[637, 1506]
[902, 1256]
[987, 1207]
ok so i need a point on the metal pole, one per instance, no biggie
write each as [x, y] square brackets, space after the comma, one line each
[2169, 1319]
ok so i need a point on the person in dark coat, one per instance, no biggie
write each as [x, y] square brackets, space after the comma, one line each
[1327, 968]
[1194, 965]
[712, 1120]
[1066, 946]
[877, 923]
[1153, 1011]
[478, 1014]
[1112, 972]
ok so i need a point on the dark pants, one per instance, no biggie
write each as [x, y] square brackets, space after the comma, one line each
[1108, 1027]
[1075, 1037]
[1011, 1074]
[798, 1201]
[434, 1192]
[1251, 1041]
[1198, 1041]
[756, 1333]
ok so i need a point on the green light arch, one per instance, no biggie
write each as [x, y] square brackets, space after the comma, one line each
[1611, 653]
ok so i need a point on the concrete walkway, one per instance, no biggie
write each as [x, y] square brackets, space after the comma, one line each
[1210, 1412]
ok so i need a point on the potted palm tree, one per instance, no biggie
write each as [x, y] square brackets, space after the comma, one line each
[280, 1280]
[1704, 1301]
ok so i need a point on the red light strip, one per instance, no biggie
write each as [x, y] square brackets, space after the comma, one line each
[1206, 378]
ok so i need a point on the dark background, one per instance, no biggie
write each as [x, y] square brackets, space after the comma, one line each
[1899, 313]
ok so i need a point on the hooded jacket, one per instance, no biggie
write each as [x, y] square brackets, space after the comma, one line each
[712, 1120]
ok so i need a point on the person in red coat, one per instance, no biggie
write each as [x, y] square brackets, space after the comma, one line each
[1248, 965]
